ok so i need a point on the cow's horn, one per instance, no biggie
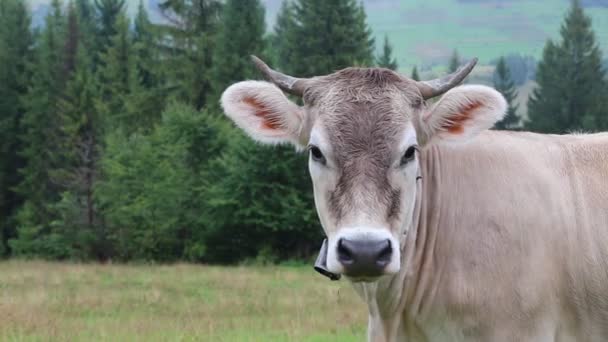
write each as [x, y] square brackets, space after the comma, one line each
[439, 86]
[288, 84]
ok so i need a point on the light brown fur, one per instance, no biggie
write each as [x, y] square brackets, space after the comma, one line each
[506, 233]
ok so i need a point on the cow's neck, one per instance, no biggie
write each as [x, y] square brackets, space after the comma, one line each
[393, 298]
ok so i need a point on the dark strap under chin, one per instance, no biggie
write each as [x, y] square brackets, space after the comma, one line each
[321, 263]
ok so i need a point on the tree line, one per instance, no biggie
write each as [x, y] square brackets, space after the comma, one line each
[114, 146]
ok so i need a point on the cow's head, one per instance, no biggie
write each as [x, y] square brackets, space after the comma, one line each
[363, 129]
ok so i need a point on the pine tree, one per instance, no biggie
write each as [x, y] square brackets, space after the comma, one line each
[146, 97]
[504, 84]
[346, 40]
[284, 37]
[15, 53]
[78, 223]
[454, 62]
[386, 60]
[116, 75]
[39, 142]
[72, 40]
[87, 27]
[107, 12]
[415, 75]
[570, 80]
[241, 34]
[189, 43]
[144, 44]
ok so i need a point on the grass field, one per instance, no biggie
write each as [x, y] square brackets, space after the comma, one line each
[42, 301]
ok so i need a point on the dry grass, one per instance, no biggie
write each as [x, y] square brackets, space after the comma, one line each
[42, 301]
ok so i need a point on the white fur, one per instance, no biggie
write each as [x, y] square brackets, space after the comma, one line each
[287, 113]
[492, 109]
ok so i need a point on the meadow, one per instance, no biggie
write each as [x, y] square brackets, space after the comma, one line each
[42, 301]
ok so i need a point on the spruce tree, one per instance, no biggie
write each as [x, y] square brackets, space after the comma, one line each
[15, 53]
[144, 43]
[241, 34]
[146, 96]
[454, 62]
[415, 76]
[570, 80]
[87, 27]
[504, 84]
[72, 39]
[284, 37]
[386, 60]
[189, 43]
[107, 13]
[39, 142]
[346, 40]
[115, 77]
[78, 221]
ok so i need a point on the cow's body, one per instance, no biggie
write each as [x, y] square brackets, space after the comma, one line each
[511, 244]
[448, 231]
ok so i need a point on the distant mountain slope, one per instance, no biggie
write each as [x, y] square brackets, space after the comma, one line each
[425, 32]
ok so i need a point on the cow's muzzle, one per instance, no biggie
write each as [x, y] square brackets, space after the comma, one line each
[364, 257]
[321, 263]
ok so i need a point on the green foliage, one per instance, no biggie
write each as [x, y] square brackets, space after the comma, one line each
[78, 220]
[415, 76]
[147, 91]
[504, 84]
[346, 39]
[151, 196]
[571, 81]
[188, 44]
[107, 12]
[386, 60]
[117, 77]
[261, 198]
[454, 62]
[284, 37]
[242, 34]
[15, 53]
[39, 140]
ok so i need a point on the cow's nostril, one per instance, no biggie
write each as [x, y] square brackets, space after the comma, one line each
[384, 257]
[345, 254]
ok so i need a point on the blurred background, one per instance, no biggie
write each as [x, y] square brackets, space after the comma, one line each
[114, 147]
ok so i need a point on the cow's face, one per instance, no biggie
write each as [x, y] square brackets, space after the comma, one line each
[363, 129]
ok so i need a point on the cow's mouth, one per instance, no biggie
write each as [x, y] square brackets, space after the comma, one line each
[363, 279]
[321, 263]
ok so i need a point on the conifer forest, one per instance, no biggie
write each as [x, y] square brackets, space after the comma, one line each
[113, 145]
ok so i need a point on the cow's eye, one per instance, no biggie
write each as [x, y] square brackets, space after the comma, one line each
[417, 103]
[316, 154]
[409, 154]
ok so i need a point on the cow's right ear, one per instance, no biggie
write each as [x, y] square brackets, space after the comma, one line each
[264, 112]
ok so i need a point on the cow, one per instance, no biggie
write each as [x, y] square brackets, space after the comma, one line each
[447, 230]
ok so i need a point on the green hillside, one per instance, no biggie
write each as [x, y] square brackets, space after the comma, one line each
[426, 31]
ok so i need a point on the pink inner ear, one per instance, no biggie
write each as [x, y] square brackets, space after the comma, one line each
[269, 121]
[455, 124]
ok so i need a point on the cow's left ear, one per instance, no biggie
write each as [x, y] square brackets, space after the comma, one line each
[462, 113]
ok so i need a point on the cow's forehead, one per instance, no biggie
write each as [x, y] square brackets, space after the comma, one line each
[363, 110]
